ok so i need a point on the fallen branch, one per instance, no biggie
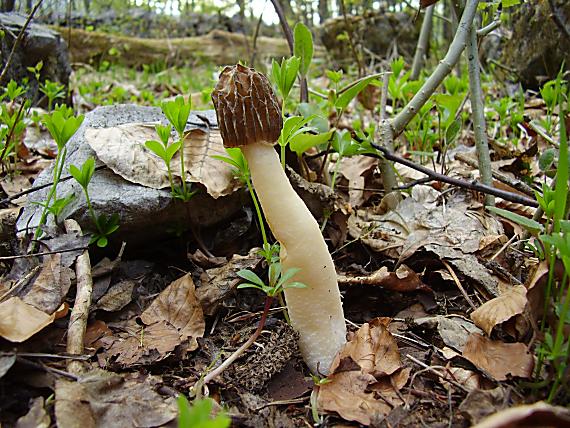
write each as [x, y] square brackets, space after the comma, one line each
[471, 185]
[80, 313]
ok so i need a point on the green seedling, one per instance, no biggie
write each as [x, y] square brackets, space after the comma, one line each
[61, 124]
[198, 415]
[36, 71]
[164, 150]
[284, 75]
[13, 90]
[53, 91]
[344, 145]
[104, 226]
[12, 127]
[278, 280]
[237, 160]
[303, 47]
[177, 113]
[317, 383]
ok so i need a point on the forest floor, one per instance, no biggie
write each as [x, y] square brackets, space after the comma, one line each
[445, 310]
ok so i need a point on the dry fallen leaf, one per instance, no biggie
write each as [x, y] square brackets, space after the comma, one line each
[104, 399]
[174, 319]
[37, 416]
[355, 169]
[122, 149]
[19, 320]
[499, 359]
[538, 414]
[366, 376]
[500, 309]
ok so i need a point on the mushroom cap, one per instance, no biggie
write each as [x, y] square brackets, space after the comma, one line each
[247, 109]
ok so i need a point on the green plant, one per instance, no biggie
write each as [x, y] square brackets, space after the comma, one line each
[61, 124]
[236, 159]
[278, 280]
[52, 91]
[554, 242]
[104, 225]
[177, 113]
[164, 151]
[198, 415]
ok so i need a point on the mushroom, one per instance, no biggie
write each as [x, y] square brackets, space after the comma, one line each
[249, 117]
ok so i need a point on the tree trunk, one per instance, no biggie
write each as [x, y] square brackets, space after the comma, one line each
[8, 5]
[324, 12]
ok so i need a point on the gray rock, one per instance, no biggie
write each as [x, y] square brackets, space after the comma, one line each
[39, 44]
[146, 214]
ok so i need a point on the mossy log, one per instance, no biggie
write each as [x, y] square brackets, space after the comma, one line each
[218, 47]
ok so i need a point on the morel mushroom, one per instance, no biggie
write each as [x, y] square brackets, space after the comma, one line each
[249, 117]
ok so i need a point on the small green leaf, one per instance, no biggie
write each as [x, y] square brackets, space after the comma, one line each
[452, 131]
[347, 94]
[546, 159]
[157, 148]
[251, 277]
[303, 142]
[303, 47]
[527, 223]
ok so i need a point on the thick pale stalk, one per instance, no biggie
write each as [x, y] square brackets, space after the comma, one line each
[316, 311]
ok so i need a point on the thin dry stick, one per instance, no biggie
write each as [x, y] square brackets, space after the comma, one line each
[18, 41]
[478, 187]
[423, 40]
[238, 353]
[80, 313]
[514, 183]
[45, 253]
[478, 116]
[458, 283]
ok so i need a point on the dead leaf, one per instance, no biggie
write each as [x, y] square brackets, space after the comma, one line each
[500, 309]
[12, 185]
[355, 169]
[373, 349]
[6, 363]
[366, 375]
[480, 403]
[530, 415]
[174, 319]
[37, 416]
[455, 331]
[103, 399]
[217, 283]
[402, 280]
[117, 297]
[122, 149]
[19, 320]
[50, 286]
[499, 359]
[178, 306]
[469, 379]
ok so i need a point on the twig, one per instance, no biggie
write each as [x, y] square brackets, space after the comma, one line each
[350, 32]
[514, 183]
[435, 372]
[18, 41]
[442, 70]
[474, 185]
[423, 40]
[45, 253]
[80, 312]
[218, 370]
[482, 32]
[53, 370]
[45, 355]
[389, 179]
[284, 24]
[458, 283]
[478, 116]
[255, 36]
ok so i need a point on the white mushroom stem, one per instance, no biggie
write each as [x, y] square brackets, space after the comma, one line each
[316, 311]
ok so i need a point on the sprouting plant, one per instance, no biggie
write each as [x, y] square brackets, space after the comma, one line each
[104, 225]
[12, 126]
[61, 124]
[344, 145]
[553, 242]
[278, 280]
[317, 383]
[36, 70]
[164, 150]
[198, 415]
[236, 159]
[53, 91]
[177, 113]
[13, 90]
[284, 75]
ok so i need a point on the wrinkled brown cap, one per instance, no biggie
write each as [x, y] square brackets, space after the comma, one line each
[247, 109]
